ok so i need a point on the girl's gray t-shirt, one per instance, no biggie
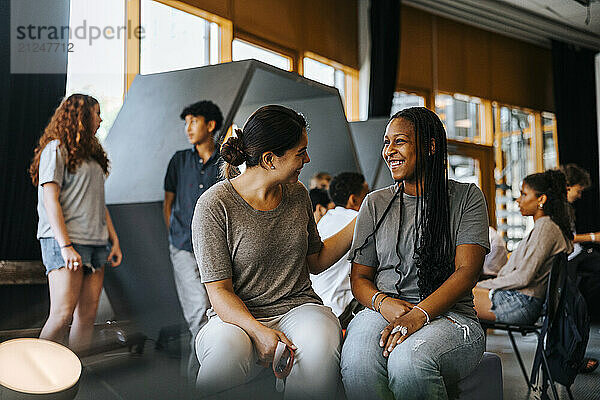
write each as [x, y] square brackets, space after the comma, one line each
[81, 197]
[468, 225]
[263, 252]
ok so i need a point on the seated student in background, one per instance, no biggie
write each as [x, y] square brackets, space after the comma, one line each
[347, 191]
[516, 296]
[585, 264]
[497, 256]
[320, 180]
[417, 252]
[321, 202]
[578, 180]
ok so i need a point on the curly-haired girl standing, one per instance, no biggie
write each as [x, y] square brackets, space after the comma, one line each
[69, 168]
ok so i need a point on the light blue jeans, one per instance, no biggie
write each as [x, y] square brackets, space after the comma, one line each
[438, 355]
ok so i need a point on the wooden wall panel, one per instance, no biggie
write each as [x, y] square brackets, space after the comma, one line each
[328, 28]
[276, 21]
[464, 59]
[329, 31]
[415, 64]
[521, 74]
[472, 61]
[222, 8]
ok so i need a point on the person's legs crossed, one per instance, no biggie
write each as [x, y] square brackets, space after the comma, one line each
[316, 332]
[363, 366]
[226, 356]
[436, 356]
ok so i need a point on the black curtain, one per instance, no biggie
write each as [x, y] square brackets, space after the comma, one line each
[576, 116]
[26, 103]
[384, 21]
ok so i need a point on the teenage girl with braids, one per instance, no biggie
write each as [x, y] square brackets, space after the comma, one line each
[417, 252]
[517, 294]
[69, 167]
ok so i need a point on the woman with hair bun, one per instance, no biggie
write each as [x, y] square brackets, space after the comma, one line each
[69, 168]
[256, 240]
[517, 294]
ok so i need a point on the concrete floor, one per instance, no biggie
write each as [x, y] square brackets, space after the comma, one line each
[586, 386]
[157, 374]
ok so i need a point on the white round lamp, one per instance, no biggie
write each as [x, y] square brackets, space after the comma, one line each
[37, 369]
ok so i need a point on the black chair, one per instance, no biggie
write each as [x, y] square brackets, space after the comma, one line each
[556, 279]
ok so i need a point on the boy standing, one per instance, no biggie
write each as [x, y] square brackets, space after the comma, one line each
[189, 174]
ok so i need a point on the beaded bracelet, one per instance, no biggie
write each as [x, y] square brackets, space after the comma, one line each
[373, 300]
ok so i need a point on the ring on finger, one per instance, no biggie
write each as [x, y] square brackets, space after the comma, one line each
[399, 328]
[76, 263]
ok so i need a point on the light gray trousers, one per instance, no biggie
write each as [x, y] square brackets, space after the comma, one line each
[192, 297]
[228, 359]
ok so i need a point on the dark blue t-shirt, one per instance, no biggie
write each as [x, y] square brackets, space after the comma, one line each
[188, 177]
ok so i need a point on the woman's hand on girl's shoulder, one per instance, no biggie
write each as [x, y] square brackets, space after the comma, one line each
[400, 329]
[392, 309]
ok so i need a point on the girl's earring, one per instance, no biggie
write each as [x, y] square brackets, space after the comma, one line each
[541, 206]
[272, 167]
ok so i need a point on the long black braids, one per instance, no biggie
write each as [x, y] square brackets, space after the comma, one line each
[433, 244]
[433, 247]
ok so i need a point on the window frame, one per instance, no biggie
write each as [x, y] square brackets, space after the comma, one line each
[266, 45]
[423, 93]
[132, 50]
[485, 134]
[554, 137]
[351, 101]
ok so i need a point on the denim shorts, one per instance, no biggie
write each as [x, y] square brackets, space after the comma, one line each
[514, 307]
[92, 257]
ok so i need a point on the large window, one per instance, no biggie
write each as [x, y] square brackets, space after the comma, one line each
[242, 50]
[325, 74]
[344, 79]
[464, 169]
[462, 116]
[515, 160]
[97, 67]
[174, 39]
[404, 100]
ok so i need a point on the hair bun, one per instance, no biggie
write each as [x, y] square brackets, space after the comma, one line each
[232, 150]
